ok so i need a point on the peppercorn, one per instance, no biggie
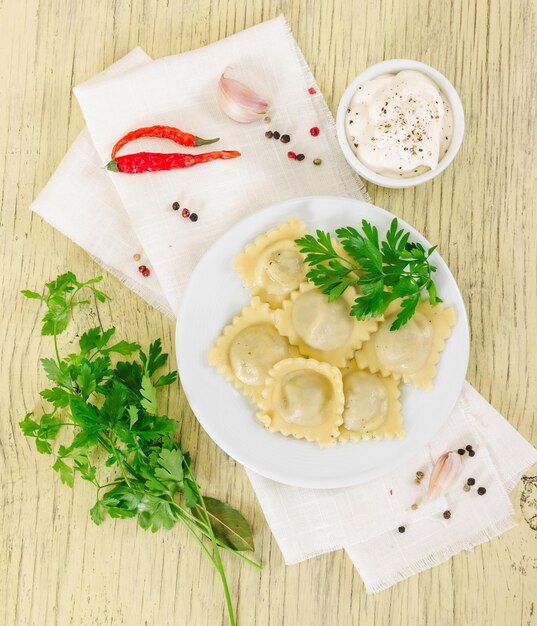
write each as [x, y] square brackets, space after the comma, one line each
[300, 157]
[417, 481]
[471, 453]
[466, 487]
[312, 91]
[401, 529]
[446, 514]
[193, 217]
[268, 134]
[175, 206]
[461, 451]
[285, 139]
[420, 475]
[144, 270]
[471, 481]
[468, 447]
[185, 213]
[414, 506]
[291, 155]
[481, 491]
[317, 161]
[136, 257]
[266, 119]
[276, 134]
[314, 131]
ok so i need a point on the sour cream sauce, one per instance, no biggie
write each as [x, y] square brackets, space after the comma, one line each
[399, 124]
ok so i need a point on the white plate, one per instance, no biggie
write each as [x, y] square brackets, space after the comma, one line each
[215, 294]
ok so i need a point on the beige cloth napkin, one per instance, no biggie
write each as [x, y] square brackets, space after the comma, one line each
[117, 216]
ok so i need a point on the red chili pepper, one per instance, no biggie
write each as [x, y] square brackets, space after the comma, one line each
[164, 132]
[157, 161]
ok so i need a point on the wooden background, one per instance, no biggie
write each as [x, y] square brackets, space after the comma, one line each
[56, 567]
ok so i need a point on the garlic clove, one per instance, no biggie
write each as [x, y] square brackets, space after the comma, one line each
[239, 102]
[444, 472]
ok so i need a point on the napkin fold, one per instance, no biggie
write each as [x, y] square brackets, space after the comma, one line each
[114, 217]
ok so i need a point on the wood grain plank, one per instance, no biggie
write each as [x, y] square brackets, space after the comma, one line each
[56, 568]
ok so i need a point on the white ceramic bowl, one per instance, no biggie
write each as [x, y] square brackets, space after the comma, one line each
[394, 66]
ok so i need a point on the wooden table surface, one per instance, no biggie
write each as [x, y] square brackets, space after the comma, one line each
[56, 567]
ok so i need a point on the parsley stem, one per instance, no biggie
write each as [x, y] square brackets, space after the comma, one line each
[216, 552]
[203, 528]
[55, 337]
[191, 530]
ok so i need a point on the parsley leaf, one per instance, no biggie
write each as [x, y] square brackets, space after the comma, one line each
[381, 271]
[149, 393]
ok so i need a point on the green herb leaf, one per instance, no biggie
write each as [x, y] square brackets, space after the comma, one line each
[155, 513]
[43, 447]
[97, 513]
[190, 493]
[149, 394]
[32, 294]
[122, 347]
[133, 415]
[86, 380]
[67, 475]
[56, 396]
[166, 379]
[28, 426]
[228, 524]
[84, 414]
[171, 466]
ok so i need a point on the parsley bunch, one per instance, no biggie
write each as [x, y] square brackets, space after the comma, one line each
[381, 271]
[117, 439]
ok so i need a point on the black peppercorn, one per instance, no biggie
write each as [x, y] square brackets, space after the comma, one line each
[471, 452]
[468, 447]
[285, 139]
[268, 134]
[300, 157]
[276, 134]
[481, 491]
[193, 217]
[401, 529]
[461, 451]
[471, 481]
[175, 206]
[446, 514]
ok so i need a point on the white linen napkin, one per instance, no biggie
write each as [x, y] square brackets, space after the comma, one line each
[136, 211]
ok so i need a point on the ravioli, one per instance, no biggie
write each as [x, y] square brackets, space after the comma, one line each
[248, 348]
[303, 398]
[412, 352]
[272, 266]
[372, 408]
[321, 329]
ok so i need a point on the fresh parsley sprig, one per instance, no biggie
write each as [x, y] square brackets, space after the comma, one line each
[114, 436]
[382, 271]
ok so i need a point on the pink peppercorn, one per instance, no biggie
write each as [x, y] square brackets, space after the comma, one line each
[314, 131]
[185, 213]
[144, 270]
[312, 90]
[291, 155]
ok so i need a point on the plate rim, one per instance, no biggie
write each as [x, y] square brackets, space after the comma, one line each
[179, 331]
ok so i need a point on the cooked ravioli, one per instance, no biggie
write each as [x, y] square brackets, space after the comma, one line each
[411, 352]
[372, 409]
[272, 266]
[249, 347]
[303, 398]
[321, 329]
